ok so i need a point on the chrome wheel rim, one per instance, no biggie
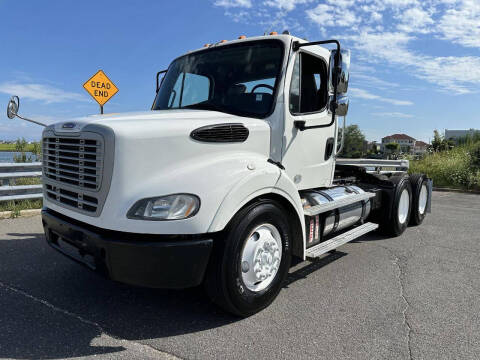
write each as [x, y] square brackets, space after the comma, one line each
[261, 257]
[403, 206]
[422, 199]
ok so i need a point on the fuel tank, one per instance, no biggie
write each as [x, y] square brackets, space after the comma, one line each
[320, 226]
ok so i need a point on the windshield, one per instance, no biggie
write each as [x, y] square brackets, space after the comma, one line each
[239, 79]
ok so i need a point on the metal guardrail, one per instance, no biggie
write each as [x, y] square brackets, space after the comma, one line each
[9, 172]
[377, 166]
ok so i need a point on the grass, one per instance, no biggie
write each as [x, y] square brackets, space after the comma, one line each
[17, 206]
[456, 168]
[11, 147]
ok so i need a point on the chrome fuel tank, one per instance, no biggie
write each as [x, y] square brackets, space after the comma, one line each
[338, 219]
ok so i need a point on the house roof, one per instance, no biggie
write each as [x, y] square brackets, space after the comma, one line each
[399, 137]
[420, 143]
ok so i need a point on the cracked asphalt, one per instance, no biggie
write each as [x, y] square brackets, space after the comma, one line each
[412, 297]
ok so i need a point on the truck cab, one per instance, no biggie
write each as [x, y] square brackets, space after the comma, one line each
[229, 175]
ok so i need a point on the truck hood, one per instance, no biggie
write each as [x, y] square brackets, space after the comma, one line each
[149, 118]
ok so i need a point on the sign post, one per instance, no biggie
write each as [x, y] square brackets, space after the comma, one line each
[101, 88]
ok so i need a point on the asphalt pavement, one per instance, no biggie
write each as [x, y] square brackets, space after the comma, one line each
[412, 297]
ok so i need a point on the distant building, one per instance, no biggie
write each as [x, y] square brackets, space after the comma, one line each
[457, 134]
[405, 142]
[420, 147]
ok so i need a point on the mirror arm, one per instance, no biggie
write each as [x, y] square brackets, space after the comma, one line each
[300, 125]
[30, 120]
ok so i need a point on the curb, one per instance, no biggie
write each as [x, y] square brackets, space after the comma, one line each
[456, 190]
[23, 213]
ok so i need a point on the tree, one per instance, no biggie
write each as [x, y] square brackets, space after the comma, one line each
[37, 149]
[392, 147]
[21, 147]
[354, 142]
[439, 143]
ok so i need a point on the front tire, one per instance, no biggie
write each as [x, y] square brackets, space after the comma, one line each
[248, 269]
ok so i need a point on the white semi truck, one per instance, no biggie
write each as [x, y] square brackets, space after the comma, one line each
[230, 174]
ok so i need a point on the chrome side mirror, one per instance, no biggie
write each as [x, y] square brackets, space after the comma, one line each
[344, 71]
[12, 107]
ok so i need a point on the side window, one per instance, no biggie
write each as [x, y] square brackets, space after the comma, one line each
[308, 89]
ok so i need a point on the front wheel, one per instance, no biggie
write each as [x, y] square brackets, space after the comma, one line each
[248, 269]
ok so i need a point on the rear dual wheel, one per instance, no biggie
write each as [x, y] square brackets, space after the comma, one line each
[402, 204]
[420, 198]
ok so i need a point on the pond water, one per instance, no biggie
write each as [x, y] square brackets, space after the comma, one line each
[7, 156]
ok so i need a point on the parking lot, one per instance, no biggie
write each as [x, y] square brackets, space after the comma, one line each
[412, 297]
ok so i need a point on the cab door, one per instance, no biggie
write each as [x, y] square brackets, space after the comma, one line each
[308, 155]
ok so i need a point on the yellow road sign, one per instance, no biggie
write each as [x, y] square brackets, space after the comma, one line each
[100, 87]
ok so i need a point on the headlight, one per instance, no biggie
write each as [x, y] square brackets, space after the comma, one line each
[170, 207]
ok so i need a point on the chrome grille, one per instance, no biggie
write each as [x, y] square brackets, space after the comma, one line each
[73, 170]
[71, 198]
[74, 161]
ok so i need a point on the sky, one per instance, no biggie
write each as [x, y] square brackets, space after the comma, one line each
[415, 63]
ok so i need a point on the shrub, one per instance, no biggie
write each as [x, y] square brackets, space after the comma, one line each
[458, 167]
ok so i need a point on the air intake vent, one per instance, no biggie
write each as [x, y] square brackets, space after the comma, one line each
[221, 133]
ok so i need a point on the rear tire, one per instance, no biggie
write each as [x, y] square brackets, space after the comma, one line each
[420, 198]
[257, 241]
[402, 205]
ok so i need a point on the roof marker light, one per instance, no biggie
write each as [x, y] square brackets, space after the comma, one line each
[273, 33]
[223, 41]
[206, 45]
[242, 37]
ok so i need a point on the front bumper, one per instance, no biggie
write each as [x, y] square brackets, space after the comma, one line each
[137, 259]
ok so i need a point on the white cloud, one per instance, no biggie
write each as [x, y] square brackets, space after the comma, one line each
[393, 114]
[331, 15]
[40, 92]
[233, 3]
[372, 81]
[462, 25]
[287, 5]
[415, 19]
[363, 94]
[459, 74]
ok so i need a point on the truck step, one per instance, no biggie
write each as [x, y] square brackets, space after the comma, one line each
[322, 208]
[329, 245]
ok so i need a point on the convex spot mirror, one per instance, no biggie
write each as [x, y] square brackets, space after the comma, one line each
[342, 106]
[12, 107]
[343, 76]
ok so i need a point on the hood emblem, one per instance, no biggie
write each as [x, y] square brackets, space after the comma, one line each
[69, 125]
